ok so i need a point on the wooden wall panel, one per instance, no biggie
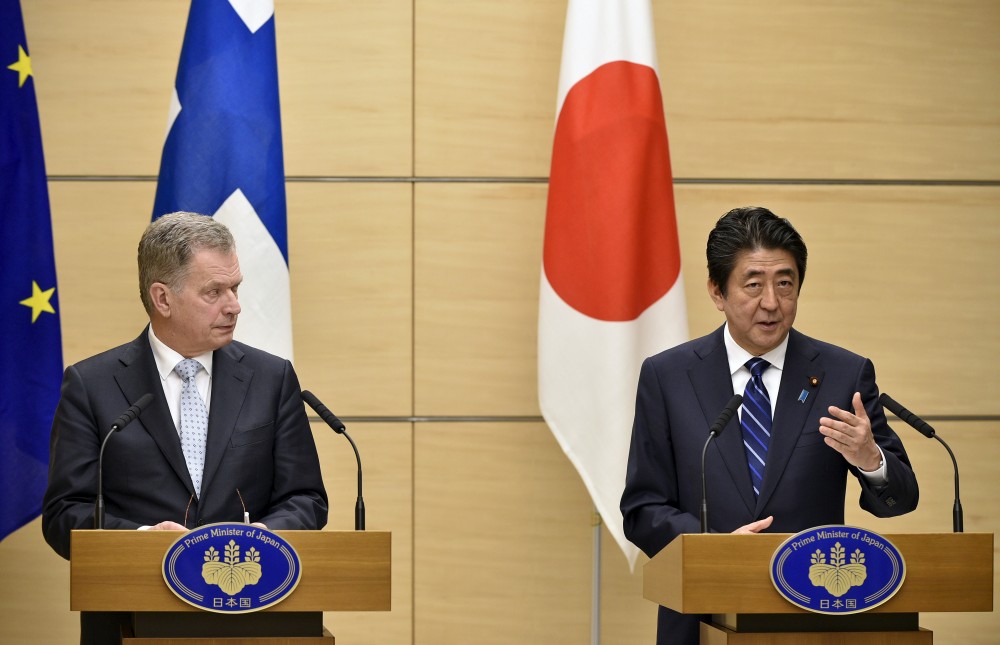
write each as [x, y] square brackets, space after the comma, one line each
[626, 617]
[898, 274]
[977, 450]
[485, 86]
[387, 458]
[346, 76]
[34, 599]
[883, 89]
[502, 529]
[96, 228]
[104, 74]
[775, 89]
[477, 270]
[894, 271]
[350, 247]
[105, 71]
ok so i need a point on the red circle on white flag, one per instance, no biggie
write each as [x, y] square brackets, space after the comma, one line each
[611, 247]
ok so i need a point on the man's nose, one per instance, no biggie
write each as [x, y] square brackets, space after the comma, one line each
[769, 300]
[232, 305]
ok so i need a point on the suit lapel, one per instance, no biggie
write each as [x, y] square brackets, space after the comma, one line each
[713, 385]
[790, 413]
[137, 375]
[230, 382]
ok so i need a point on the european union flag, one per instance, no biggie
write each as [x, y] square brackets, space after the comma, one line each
[30, 340]
[223, 154]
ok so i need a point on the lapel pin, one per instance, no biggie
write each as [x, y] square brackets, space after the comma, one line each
[803, 396]
[813, 381]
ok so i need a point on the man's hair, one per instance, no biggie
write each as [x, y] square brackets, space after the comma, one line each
[168, 244]
[751, 228]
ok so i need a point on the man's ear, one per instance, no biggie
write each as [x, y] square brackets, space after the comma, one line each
[160, 299]
[715, 293]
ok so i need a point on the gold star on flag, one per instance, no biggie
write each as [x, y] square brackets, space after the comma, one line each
[22, 66]
[39, 301]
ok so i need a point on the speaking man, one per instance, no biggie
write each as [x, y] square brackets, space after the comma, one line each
[810, 413]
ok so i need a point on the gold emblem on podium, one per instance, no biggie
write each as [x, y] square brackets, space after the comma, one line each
[231, 575]
[836, 576]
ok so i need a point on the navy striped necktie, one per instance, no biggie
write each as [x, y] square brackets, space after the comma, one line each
[756, 421]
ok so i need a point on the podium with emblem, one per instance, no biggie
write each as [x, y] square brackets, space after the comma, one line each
[138, 572]
[732, 579]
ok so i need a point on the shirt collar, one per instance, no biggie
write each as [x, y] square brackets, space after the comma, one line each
[739, 356]
[167, 359]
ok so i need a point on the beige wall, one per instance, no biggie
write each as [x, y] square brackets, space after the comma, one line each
[417, 298]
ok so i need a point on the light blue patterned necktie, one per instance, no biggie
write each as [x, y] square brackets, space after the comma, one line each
[756, 422]
[194, 422]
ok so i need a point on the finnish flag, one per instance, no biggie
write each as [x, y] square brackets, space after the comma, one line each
[223, 154]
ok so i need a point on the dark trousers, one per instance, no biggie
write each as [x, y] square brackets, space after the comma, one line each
[673, 628]
[103, 627]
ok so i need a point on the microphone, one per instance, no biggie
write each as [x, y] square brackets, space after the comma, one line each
[126, 418]
[338, 426]
[925, 429]
[713, 432]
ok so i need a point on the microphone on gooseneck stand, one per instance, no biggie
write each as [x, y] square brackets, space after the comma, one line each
[126, 418]
[338, 427]
[713, 432]
[925, 429]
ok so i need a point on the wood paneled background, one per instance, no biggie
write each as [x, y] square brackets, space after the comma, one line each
[417, 144]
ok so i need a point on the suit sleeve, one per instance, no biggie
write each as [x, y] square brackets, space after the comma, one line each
[298, 497]
[900, 493]
[650, 502]
[73, 454]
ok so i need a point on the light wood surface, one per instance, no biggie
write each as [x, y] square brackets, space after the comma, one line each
[715, 636]
[123, 571]
[722, 573]
[351, 255]
[303, 640]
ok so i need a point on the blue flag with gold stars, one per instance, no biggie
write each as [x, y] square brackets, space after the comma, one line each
[30, 340]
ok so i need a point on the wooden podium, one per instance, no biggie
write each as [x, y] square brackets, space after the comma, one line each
[122, 571]
[728, 577]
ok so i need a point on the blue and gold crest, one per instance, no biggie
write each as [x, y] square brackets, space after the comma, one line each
[837, 569]
[231, 568]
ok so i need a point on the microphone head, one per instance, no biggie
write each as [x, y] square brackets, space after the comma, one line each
[310, 399]
[726, 414]
[889, 404]
[133, 412]
[908, 417]
[143, 401]
[324, 412]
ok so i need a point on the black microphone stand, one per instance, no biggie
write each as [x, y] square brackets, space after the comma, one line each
[716, 429]
[925, 429]
[338, 426]
[127, 417]
[359, 506]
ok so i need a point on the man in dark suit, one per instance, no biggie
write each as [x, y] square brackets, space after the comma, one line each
[247, 448]
[788, 470]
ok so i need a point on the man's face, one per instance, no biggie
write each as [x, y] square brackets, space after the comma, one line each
[761, 298]
[201, 315]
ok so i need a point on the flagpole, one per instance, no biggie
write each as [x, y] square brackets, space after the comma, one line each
[595, 598]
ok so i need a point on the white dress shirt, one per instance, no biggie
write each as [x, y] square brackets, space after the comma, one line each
[772, 381]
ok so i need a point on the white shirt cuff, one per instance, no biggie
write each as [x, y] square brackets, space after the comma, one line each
[879, 476]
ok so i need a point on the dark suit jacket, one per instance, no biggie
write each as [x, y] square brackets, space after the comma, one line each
[681, 392]
[259, 442]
